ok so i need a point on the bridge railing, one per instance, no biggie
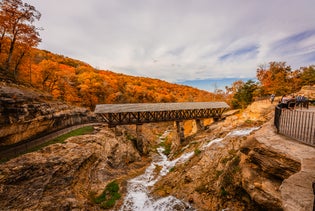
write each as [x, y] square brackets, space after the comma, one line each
[297, 124]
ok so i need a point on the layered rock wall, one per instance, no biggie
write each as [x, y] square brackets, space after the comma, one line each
[262, 171]
[26, 114]
[65, 176]
[278, 172]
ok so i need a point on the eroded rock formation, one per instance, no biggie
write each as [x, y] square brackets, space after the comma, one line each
[308, 91]
[63, 176]
[263, 171]
[26, 114]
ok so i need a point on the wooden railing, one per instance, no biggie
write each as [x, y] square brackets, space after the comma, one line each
[140, 113]
[297, 124]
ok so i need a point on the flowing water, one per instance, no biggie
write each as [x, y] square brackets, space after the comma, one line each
[138, 195]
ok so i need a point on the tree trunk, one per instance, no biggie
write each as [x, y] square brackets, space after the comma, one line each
[18, 64]
[7, 63]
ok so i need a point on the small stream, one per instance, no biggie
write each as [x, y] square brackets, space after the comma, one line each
[138, 196]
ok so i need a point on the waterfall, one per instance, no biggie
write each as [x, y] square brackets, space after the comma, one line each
[138, 195]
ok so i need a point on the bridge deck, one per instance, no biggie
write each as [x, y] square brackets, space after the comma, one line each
[143, 107]
[139, 113]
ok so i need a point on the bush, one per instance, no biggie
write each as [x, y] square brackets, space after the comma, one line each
[108, 197]
[197, 151]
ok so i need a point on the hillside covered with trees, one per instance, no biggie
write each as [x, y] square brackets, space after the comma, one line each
[78, 83]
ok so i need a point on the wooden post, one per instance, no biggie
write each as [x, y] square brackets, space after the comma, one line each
[216, 119]
[180, 131]
[200, 124]
[139, 131]
[117, 131]
[140, 142]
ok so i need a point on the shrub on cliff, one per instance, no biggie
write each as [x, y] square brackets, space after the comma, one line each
[109, 196]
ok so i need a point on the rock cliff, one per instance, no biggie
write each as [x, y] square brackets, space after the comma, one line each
[308, 91]
[64, 176]
[262, 171]
[26, 114]
[279, 168]
[257, 171]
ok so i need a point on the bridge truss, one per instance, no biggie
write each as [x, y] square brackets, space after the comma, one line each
[139, 113]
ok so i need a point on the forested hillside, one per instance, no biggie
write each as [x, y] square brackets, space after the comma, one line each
[78, 83]
[67, 79]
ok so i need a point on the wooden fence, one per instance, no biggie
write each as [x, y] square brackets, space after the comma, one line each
[297, 124]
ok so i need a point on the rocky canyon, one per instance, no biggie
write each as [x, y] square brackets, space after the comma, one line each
[239, 163]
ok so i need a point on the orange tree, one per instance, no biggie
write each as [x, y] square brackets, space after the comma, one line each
[17, 34]
[279, 79]
[275, 79]
[308, 75]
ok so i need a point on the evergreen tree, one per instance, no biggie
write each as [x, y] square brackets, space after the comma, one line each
[244, 95]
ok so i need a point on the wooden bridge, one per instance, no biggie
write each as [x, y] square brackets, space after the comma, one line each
[140, 113]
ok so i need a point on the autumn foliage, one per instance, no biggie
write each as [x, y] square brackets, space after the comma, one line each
[18, 35]
[277, 78]
[280, 79]
[77, 83]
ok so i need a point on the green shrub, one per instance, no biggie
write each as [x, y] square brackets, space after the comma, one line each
[223, 192]
[172, 169]
[108, 197]
[201, 189]
[197, 151]
[167, 147]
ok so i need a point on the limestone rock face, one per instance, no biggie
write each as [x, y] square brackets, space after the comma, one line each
[211, 180]
[25, 114]
[284, 169]
[262, 171]
[308, 91]
[63, 176]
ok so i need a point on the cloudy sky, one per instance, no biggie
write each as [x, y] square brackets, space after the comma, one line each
[177, 40]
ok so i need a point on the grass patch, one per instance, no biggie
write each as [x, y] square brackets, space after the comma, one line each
[3, 160]
[197, 151]
[172, 169]
[77, 132]
[167, 147]
[62, 138]
[109, 196]
[223, 192]
[225, 160]
[217, 174]
[201, 189]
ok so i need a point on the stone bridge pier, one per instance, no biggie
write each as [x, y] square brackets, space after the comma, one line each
[140, 142]
[181, 131]
[142, 146]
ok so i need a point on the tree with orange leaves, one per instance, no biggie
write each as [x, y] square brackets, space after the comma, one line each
[277, 79]
[18, 34]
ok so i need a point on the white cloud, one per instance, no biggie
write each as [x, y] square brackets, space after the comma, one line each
[179, 39]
